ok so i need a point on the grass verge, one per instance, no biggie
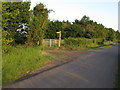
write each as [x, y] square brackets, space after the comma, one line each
[78, 48]
[19, 62]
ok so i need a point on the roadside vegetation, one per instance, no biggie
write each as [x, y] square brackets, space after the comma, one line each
[83, 43]
[20, 61]
[23, 31]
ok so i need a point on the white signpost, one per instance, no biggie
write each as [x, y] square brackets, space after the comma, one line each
[59, 38]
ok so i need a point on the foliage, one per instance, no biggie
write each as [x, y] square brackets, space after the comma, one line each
[15, 18]
[38, 22]
[71, 31]
[84, 42]
[111, 35]
[5, 39]
[85, 28]
[117, 33]
[52, 28]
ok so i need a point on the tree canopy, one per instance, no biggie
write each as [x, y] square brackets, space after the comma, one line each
[38, 22]
[80, 28]
[15, 19]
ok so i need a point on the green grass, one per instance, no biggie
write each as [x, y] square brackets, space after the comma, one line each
[73, 48]
[101, 47]
[20, 61]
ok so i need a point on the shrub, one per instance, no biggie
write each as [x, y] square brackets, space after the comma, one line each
[82, 42]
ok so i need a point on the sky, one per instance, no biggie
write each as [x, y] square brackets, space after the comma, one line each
[102, 11]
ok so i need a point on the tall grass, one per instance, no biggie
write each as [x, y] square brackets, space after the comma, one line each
[20, 61]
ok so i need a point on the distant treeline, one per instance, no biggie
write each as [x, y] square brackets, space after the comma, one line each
[20, 25]
[84, 28]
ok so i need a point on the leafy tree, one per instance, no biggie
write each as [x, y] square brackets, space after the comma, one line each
[111, 35]
[38, 22]
[85, 20]
[117, 33]
[77, 22]
[71, 31]
[52, 28]
[15, 18]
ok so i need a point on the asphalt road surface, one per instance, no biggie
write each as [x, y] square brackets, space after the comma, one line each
[97, 70]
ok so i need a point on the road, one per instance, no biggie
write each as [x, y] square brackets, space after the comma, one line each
[97, 70]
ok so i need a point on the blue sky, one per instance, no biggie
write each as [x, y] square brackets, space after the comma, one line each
[102, 11]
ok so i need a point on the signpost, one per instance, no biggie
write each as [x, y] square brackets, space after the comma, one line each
[59, 38]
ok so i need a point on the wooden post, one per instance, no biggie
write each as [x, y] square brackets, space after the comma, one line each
[59, 39]
[38, 43]
[50, 43]
[55, 42]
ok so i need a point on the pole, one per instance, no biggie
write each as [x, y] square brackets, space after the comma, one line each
[55, 43]
[59, 39]
[50, 43]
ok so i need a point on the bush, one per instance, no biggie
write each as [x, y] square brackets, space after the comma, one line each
[82, 42]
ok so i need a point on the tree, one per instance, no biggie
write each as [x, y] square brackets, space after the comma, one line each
[77, 22]
[52, 28]
[85, 20]
[117, 33]
[15, 18]
[71, 30]
[38, 22]
[111, 35]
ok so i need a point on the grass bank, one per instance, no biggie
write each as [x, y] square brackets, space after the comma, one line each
[21, 61]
